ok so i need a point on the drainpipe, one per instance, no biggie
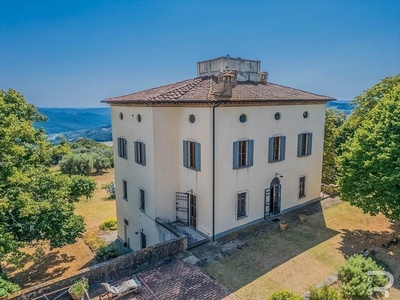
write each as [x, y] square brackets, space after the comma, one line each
[213, 170]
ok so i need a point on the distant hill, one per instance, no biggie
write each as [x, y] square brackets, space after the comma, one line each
[95, 123]
[343, 105]
[76, 123]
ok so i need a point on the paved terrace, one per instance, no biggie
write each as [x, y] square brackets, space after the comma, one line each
[176, 280]
[182, 277]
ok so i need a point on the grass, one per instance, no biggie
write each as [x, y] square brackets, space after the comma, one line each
[305, 255]
[93, 241]
[99, 208]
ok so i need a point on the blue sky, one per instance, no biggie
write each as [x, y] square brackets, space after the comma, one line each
[69, 53]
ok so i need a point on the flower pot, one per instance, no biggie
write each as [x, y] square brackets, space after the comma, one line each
[283, 226]
[302, 218]
[75, 296]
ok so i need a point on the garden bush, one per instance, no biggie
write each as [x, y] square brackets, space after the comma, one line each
[110, 188]
[7, 287]
[109, 224]
[355, 283]
[324, 293]
[284, 295]
[107, 252]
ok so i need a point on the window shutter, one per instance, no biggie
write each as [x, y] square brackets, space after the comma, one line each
[309, 144]
[185, 154]
[250, 154]
[198, 157]
[235, 155]
[283, 147]
[143, 154]
[270, 149]
[119, 146]
[125, 152]
[135, 149]
[299, 138]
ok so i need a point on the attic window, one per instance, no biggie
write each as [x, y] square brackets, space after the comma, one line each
[277, 116]
[243, 118]
[121, 116]
[192, 118]
[139, 118]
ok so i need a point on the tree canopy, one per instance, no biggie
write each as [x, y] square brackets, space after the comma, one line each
[333, 121]
[34, 201]
[369, 172]
[86, 156]
[364, 103]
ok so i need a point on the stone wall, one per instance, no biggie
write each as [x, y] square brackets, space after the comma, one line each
[330, 189]
[108, 271]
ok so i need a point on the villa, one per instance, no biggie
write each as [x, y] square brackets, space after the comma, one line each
[216, 153]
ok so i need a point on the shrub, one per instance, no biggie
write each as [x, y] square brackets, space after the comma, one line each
[110, 188]
[109, 224]
[324, 293]
[7, 287]
[355, 282]
[82, 186]
[77, 164]
[107, 252]
[79, 287]
[284, 295]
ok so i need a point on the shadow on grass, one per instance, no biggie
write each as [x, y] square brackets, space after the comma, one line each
[40, 269]
[267, 247]
[381, 245]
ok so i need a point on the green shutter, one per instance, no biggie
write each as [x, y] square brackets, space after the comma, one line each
[235, 155]
[185, 154]
[125, 150]
[143, 154]
[309, 144]
[271, 150]
[251, 153]
[198, 157]
[283, 147]
[299, 138]
[135, 149]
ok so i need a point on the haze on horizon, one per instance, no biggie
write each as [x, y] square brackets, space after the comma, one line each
[77, 53]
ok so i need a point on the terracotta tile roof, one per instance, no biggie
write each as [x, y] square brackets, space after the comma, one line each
[207, 90]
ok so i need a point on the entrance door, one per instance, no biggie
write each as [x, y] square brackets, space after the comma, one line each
[142, 240]
[126, 239]
[275, 197]
[192, 210]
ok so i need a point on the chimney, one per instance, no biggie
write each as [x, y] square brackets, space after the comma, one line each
[263, 77]
[227, 80]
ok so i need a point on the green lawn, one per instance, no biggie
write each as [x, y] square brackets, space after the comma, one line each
[305, 254]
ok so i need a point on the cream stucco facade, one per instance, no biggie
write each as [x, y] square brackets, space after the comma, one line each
[164, 126]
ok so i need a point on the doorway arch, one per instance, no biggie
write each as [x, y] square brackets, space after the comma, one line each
[275, 197]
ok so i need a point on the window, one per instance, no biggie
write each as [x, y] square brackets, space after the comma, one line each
[276, 148]
[243, 154]
[192, 155]
[124, 189]
[122, 147]
[302, 187]
[304, 144]
[241, 210]
[142, 200]
[140, 153]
